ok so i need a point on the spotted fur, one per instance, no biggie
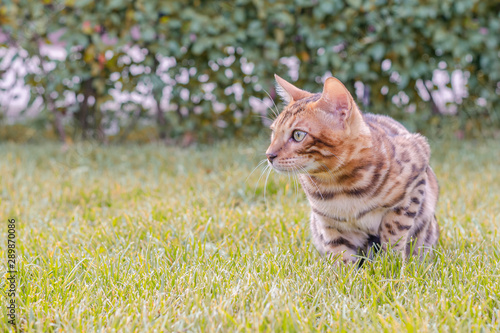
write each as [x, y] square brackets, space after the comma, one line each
[366, 177]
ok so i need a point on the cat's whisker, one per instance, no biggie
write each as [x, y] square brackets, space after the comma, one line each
[296, 180]
[312, 181]
[265, 184]
[289, 179]
[292, 178]
[325, 167]
[261, 174]
[258, 165]
[269, 107]
[341, 162]
[275, 106]
[274, 111]
[263, 117]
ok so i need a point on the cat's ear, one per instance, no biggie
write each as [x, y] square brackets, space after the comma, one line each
[336, 100]
[288, 92]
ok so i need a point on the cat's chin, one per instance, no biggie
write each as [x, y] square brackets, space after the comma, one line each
[282, 171]
[286, 170]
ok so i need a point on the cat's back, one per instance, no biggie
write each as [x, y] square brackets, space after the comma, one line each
[390, 126]
[404, 146]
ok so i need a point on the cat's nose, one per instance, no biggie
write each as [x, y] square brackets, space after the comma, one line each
[271, 157]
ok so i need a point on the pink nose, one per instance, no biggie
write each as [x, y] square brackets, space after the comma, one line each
[271, 157]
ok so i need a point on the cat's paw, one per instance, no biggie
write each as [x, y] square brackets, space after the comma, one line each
[342, 258]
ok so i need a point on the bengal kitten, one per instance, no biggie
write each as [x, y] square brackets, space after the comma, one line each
[367, 178]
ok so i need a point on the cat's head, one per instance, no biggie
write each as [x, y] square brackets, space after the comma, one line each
[316, 132]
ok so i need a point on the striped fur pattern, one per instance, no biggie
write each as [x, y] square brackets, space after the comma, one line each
[367, 178]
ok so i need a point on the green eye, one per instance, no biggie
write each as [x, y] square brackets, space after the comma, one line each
[299, 135]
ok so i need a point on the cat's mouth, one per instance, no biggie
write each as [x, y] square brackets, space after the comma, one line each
[283, 169]
[290, 165]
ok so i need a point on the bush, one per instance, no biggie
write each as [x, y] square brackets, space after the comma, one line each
[201, 61]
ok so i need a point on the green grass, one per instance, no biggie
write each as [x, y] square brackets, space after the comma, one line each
[149, 238]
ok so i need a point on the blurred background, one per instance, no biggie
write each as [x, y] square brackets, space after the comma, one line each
[198, 71]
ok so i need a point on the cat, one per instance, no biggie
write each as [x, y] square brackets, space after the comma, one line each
[367, 178]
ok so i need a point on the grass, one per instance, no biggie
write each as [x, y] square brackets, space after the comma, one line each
[148, 238]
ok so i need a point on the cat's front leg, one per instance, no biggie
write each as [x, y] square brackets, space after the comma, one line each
[333, 243]
[343, 246]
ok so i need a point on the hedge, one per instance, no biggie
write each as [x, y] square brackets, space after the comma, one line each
[203, 62]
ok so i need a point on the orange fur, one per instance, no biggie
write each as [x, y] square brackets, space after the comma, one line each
[365, 176]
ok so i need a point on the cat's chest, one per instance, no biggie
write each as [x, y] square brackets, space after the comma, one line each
[348, 213]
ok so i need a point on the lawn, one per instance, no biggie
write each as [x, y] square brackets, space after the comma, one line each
[151, 238]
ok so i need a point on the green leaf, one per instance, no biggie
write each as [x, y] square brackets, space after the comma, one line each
[148, 33]
[377, 51]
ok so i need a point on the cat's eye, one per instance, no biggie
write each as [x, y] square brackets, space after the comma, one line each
[298, 135]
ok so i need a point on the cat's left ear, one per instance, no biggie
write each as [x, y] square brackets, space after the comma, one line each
[288, 92]
[336, 100]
